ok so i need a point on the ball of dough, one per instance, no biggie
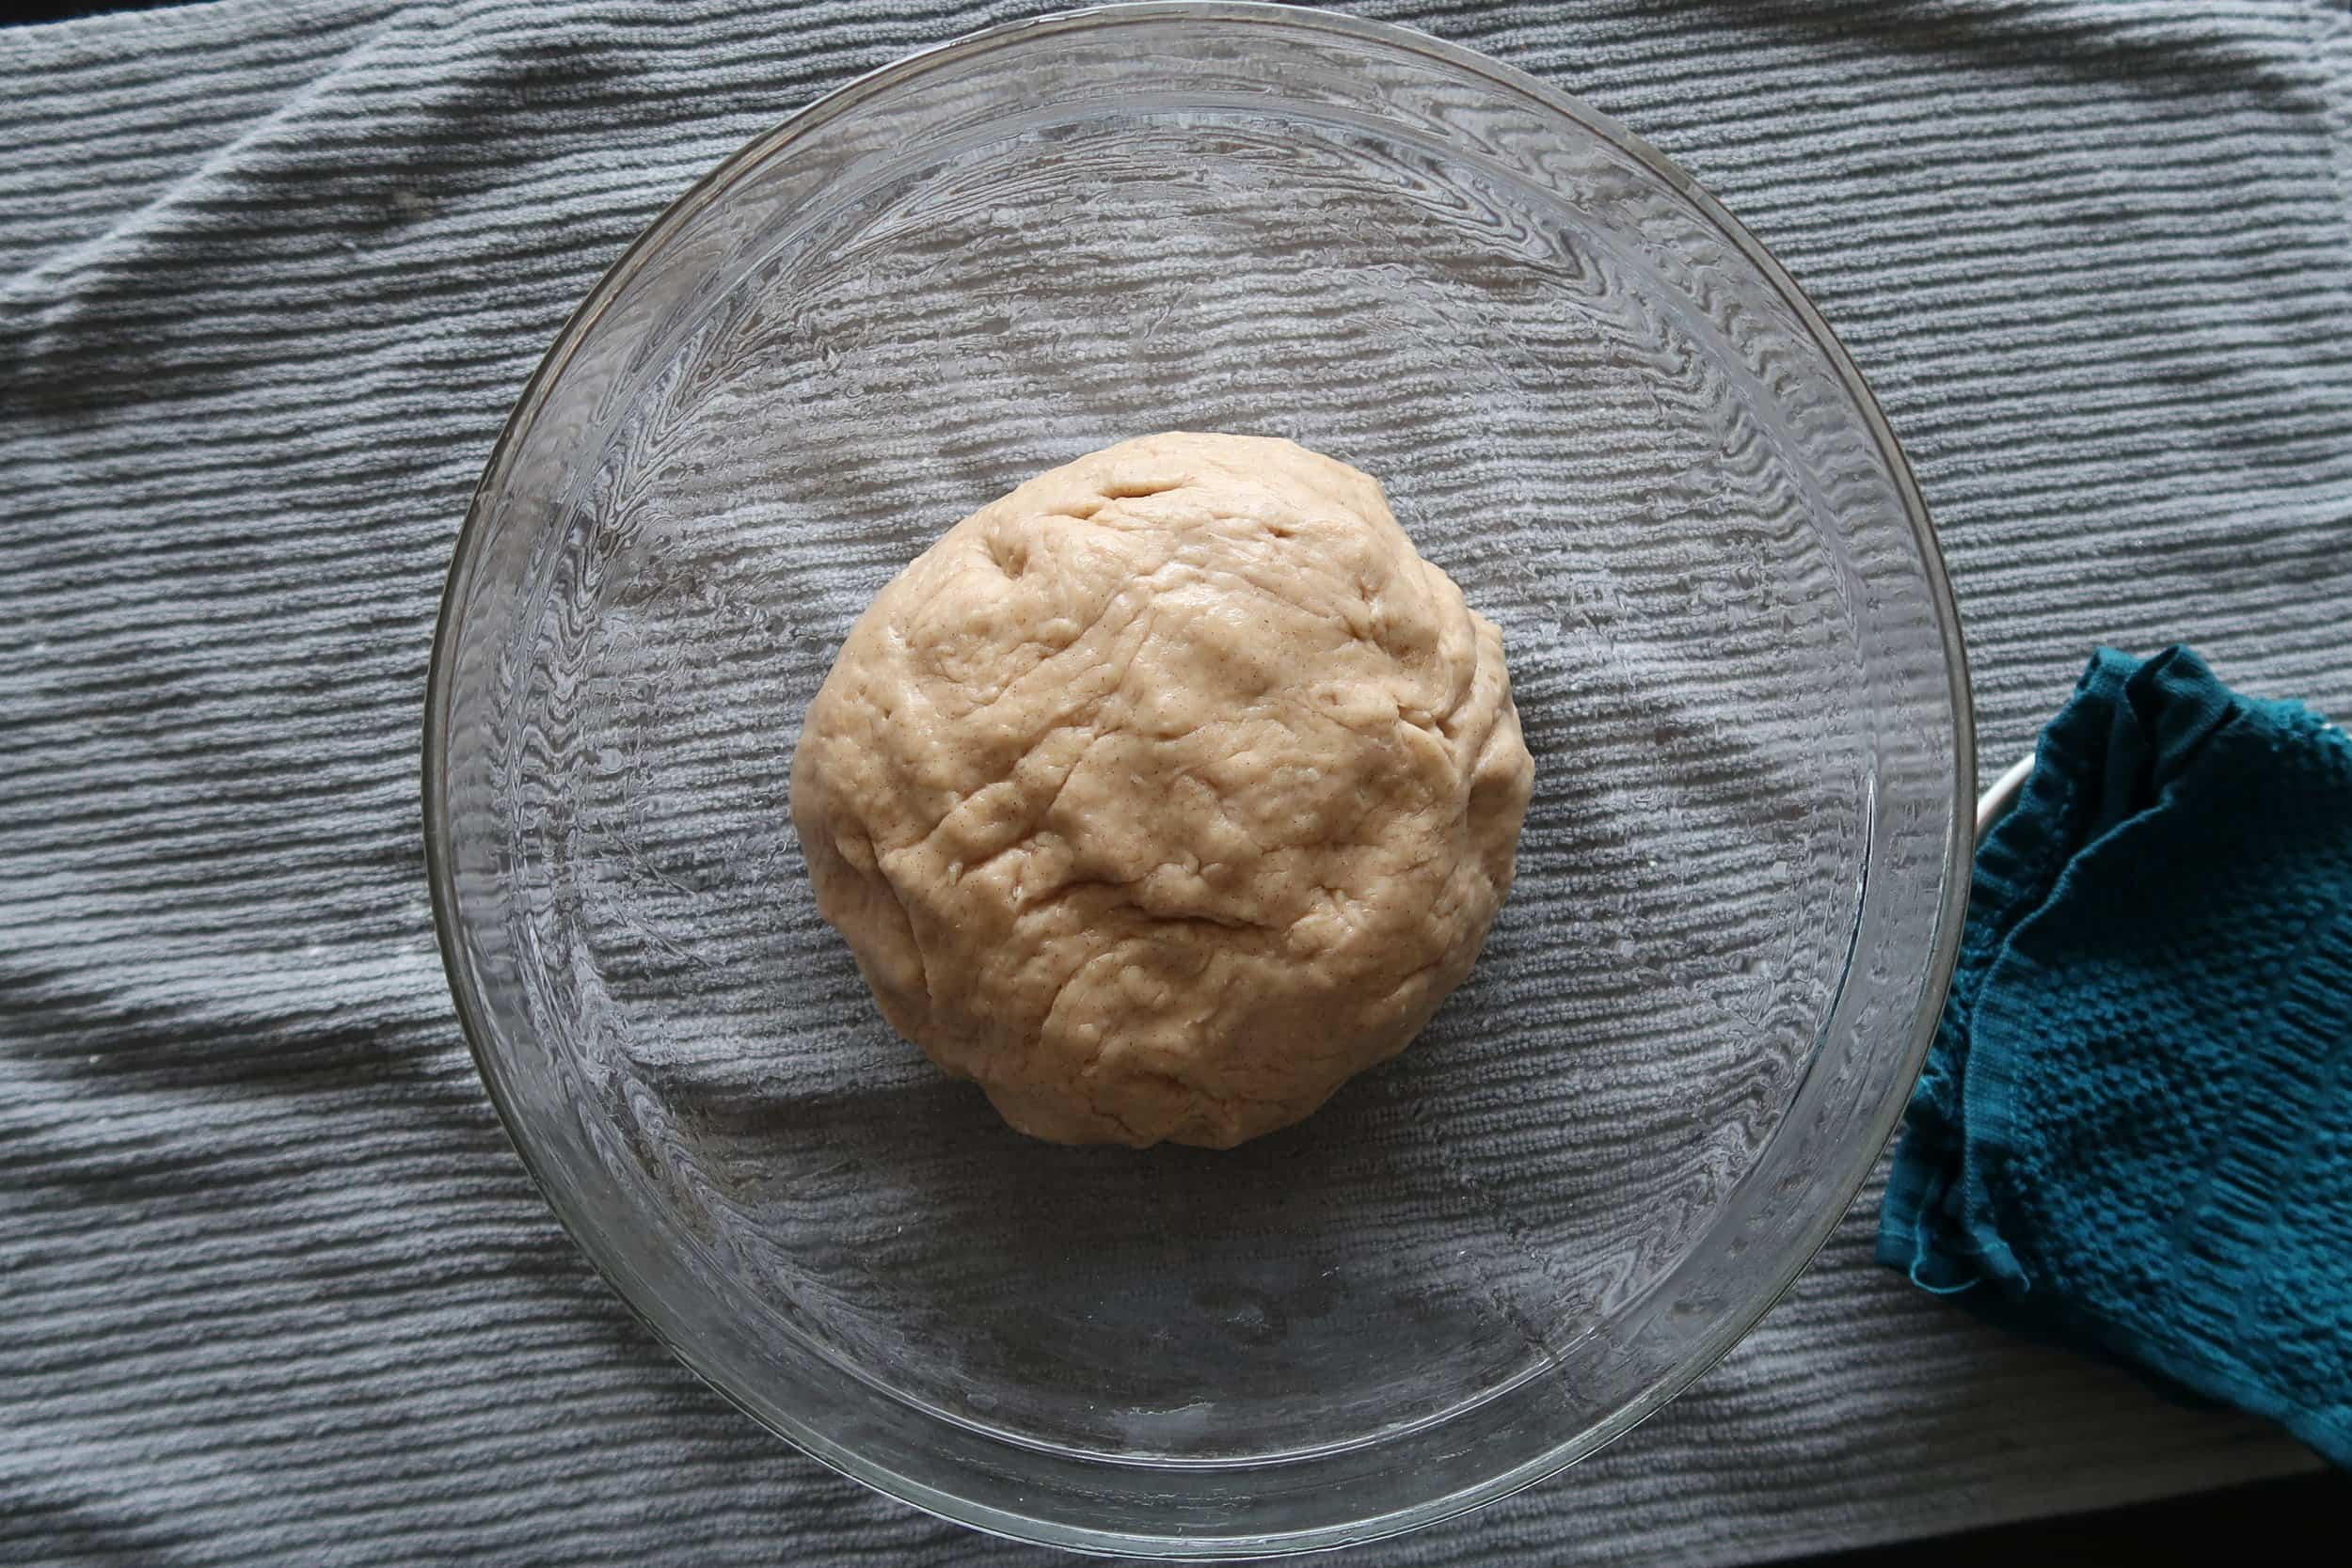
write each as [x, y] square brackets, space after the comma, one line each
[1165, 793]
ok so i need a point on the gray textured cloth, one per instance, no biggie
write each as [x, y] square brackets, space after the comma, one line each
[272, 1284]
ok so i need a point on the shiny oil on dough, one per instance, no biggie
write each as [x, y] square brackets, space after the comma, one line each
[1166, 792]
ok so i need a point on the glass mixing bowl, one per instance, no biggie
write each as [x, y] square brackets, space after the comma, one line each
[1594, 401]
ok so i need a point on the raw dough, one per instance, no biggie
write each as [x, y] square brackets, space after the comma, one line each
[1166, 792]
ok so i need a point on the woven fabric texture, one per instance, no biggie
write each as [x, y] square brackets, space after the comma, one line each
[2131, 1135]
[273, 1287]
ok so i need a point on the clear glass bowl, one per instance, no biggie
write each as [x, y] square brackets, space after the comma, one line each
[1593, 399]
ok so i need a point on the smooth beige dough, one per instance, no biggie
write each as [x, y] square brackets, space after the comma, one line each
[1165, 793]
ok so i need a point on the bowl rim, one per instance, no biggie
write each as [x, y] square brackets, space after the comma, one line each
[1271, 15]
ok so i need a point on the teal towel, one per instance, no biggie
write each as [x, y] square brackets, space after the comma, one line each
[2134, 1135]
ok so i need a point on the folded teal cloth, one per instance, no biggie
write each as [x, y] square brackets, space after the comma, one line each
[2134, 1135]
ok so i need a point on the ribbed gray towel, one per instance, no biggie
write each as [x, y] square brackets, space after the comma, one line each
[273, 1288]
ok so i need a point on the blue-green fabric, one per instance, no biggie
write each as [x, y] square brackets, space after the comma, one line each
[2133, 1135]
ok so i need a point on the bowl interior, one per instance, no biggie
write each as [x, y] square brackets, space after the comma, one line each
[1606, 416]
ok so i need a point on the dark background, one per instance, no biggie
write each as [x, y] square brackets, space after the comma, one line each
[2307, 1511]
